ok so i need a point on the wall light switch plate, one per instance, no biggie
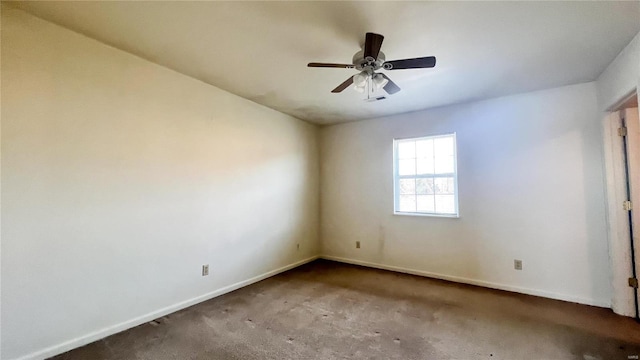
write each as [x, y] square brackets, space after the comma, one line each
[205, 270]
[357, 244]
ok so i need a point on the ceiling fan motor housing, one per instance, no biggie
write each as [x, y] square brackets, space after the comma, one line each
[368, 64]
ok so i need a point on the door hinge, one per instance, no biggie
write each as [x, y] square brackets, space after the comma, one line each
[627, 205]
[633, 282]
[622, 131]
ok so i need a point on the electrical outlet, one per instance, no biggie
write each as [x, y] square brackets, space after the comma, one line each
[357, 244]
[517, 264]
[205, 270]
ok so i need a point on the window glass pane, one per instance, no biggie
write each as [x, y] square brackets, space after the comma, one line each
[407, 167]
[445, 204]
[407, 186]
[424, 148]
[425, 165]
[425, 177]
[424, 186]
[407, 203]
[444, 164]
[444, 185]
[426, 203]
[443, 146]
[406, 150]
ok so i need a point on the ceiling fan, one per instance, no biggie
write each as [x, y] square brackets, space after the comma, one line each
[371, 59]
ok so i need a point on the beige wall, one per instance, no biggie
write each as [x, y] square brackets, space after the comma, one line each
[530, 188]
[120, 178]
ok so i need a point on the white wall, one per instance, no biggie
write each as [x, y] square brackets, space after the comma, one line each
[120, 178]
[530, 186]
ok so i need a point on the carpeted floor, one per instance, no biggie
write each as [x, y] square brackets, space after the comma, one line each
[328, 310]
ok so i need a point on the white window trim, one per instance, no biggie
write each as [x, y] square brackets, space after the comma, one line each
[396, 177]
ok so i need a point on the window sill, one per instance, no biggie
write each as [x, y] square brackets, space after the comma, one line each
[451, 216]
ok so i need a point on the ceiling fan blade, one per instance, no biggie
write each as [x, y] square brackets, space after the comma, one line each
[372, 45]
[391, 87]
[417, 63]
[328, 65]
[344, 85]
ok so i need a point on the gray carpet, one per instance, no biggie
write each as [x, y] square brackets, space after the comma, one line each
[327, 310]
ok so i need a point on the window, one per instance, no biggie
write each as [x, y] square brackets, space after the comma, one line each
[425, 176]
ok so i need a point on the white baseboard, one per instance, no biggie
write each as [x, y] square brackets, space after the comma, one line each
[100, 334]
[518, 289]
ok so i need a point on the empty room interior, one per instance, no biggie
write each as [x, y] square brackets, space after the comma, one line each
[319, 180]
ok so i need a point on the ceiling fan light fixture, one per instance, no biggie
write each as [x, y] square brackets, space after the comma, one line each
[379, 81]
[361, 89]
[360, 79]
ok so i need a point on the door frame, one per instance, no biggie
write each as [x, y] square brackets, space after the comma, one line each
[624, 298]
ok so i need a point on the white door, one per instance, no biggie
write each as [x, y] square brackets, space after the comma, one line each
[632, 123]
[623, 301]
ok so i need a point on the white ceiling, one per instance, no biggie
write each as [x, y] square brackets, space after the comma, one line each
[259, 50]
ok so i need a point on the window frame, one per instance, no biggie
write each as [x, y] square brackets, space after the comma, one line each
[397, 177]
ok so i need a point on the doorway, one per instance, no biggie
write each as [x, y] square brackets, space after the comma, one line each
[622, 162]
